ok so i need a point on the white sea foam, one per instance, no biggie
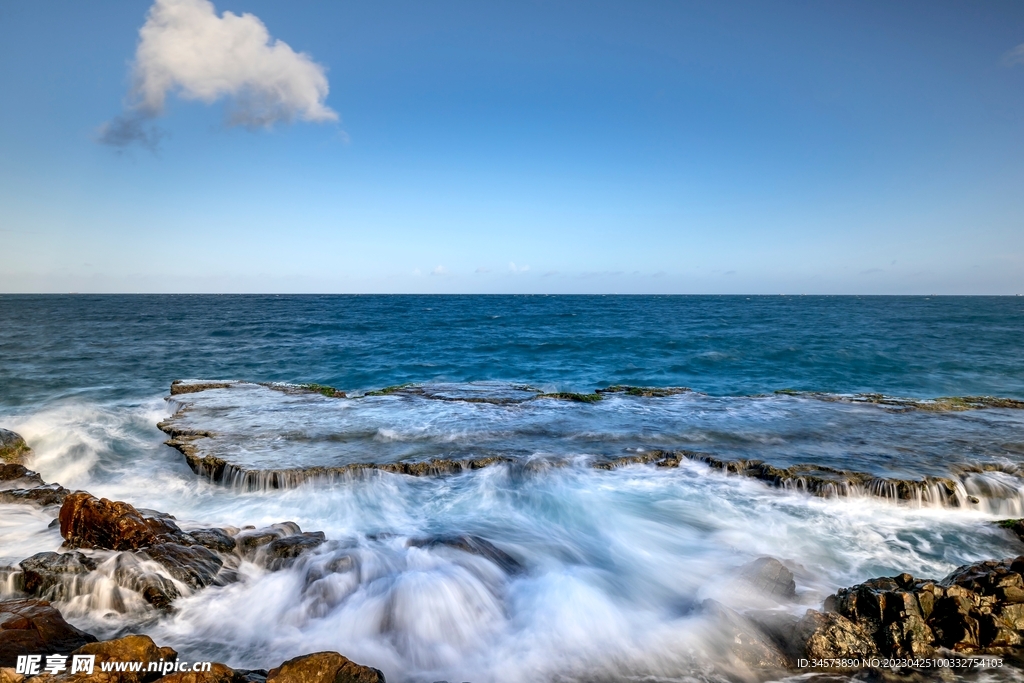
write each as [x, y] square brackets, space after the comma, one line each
[615, 564]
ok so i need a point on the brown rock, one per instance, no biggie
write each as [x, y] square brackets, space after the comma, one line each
[323, 667]
[45, 495]
[13, 448]
[830, 635]
[90, 522]
[129, 649]
[218, 673]
[9, 675]
[180, 386]
[34, 627]
[13, 472]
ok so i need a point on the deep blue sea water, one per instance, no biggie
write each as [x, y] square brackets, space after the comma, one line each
[116, 346]
[616, 564]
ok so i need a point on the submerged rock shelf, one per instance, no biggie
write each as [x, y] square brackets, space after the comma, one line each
[254, 437]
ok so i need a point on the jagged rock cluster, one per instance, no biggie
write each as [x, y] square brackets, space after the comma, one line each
[184, 561]
[147, 553]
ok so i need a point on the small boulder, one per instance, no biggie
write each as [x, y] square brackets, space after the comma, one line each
[830, 635]
[324, 667]
[48, 575]
[129, 649]
[14, 476]
[770, 577]
[214, 539]
[13, 448]
[33, 627]
[218, 673]
[278, 545]
[195, 566]
[283, 552]
[10, 675]
[90, 522]
[745, 641]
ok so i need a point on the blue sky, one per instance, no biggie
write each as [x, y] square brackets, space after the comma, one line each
[664, 147]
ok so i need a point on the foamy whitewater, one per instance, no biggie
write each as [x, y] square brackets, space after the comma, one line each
[611, 565]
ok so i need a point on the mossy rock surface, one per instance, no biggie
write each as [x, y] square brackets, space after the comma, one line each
[572, 396]
[646, 392]
[387, 391]
[328, 391]
[13, 449]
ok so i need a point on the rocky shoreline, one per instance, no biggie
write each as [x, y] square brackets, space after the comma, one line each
[976, 611]
[953, 491]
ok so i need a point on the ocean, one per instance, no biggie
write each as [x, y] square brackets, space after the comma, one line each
[615, 556]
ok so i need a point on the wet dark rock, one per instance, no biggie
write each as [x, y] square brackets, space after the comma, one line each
[977, 609]
[324, 667]
[832, 636]
[745, 641]
[195, 566]
[214, 539]
[646, 392]
[130, 571]
[282, 552]
[33, 627]
[13, 449]
[473, 545]
[278, 545]
[1015, 526]
[19, 475]
[90, 522]
[46, 495]
[249, 541]
[770, 577]
[47, 575]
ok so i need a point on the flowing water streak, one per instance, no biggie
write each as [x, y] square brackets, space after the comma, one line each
[616, 563]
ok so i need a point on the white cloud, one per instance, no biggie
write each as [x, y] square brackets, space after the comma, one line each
[186, 49]
[517, 269]
[1014, 56]
[439, 270]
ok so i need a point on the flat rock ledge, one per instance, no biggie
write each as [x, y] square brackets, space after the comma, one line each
[32, 627]
[815, 480]
[18, 484]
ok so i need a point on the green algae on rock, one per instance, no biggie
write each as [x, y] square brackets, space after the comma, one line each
[942, 404]
[572, 396]
[13, 449]
[646, 392]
